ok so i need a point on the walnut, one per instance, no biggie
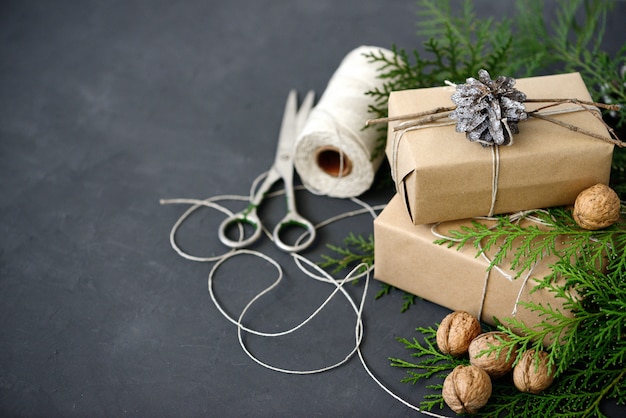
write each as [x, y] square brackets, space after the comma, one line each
[532, 373]
[456, 332]
[498, 362]
[466, 389]
[597, 207]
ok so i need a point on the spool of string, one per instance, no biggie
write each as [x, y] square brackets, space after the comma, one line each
[333, 153]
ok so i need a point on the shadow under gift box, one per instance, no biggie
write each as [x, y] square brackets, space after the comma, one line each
[407, 258]
[443, 176]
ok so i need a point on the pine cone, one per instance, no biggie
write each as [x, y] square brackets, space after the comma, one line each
[488, 110]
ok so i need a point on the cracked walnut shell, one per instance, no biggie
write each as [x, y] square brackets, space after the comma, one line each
[497, 362]
[596, 207]
[466, 389]
[456, 332]
[532, 373]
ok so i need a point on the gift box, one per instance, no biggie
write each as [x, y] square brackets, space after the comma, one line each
[443, 176]
[408, 258]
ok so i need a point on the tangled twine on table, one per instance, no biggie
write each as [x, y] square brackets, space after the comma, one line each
[307, 267]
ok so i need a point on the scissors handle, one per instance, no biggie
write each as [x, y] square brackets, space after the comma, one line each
[294, 220]
[245, 217]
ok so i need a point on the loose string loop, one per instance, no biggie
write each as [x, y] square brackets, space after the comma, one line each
[210, 203]
[307, 267]
[514, 218]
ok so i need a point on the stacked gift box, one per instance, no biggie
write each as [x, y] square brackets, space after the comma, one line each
[444, 182]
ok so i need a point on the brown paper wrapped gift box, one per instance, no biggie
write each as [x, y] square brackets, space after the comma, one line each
[443, 176]
[407, 258]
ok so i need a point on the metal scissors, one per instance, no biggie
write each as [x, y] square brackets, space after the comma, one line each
[282, 169]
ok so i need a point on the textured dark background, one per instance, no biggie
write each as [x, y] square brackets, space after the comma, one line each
[108, 106]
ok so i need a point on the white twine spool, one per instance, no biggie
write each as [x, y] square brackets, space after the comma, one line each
[333, 154]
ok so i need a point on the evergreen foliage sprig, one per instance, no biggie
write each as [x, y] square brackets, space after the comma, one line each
[456, 48]
[357, 249]
[585, 340]
[595, 369]
[526, 244]
[430, 362]
[459, 43]
[575, 45]
[604, 75]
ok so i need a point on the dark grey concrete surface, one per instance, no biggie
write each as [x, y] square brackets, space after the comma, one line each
[107, 107]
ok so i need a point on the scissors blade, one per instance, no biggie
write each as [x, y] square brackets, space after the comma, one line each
[293, 121]
[303, 112]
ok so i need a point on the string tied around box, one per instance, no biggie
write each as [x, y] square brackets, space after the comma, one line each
[514, 218]
[306, 266]
[489, 112]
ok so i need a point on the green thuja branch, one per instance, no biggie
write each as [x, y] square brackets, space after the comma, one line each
[459, 42]
[588, 347]
[525, 245]
[573, 43]
[356, 250]
[585, 338]
[576, 46]
[427, 364]
[409, 300]
[597, 297]
[618, 169]
[457, 47]
[429, 361]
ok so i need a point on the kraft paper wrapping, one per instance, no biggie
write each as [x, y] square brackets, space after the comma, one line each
[407, 258]
[443, 176]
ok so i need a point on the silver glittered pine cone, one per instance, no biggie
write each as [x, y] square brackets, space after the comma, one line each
[488, 110]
